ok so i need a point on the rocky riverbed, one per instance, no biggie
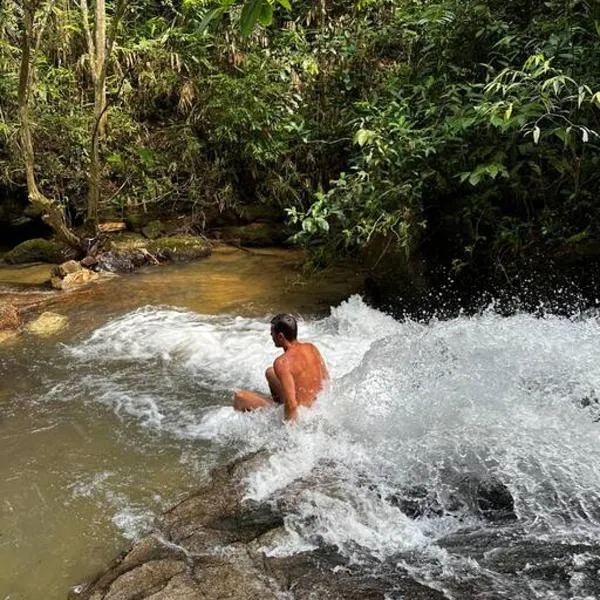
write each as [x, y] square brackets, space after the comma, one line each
[216, 545]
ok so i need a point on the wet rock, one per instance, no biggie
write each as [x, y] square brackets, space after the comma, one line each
[66, 268]
[121, 261]
[255, 234]
[495, 501]
[210, 547]
[488, 498]
[417, 502]
[71, 275]
[89, 261]
[133, 251]
[48, 323]
[36, 250]
[9, 317]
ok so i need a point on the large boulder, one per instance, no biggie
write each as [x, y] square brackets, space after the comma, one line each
[37, 250]
[212, 545]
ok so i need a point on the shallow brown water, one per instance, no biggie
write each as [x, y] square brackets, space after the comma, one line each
[75, 476]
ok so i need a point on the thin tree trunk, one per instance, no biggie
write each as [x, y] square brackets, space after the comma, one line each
[100, 83]
[99, 52]
[53, 211]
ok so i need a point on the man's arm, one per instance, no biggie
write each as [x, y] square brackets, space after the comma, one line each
[288, 386]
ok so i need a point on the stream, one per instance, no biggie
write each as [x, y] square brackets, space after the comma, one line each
[115, 420]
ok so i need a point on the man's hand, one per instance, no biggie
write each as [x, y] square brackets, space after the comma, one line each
[284, 375]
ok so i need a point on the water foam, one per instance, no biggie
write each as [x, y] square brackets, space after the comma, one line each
[436, 407]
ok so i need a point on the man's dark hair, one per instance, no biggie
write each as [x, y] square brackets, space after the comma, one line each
[287, 325]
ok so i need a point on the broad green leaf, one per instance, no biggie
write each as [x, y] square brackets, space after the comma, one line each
[250, 15]
[266, 14]
[286, 4]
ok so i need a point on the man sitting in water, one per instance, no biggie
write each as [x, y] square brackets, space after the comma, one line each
[296, 376]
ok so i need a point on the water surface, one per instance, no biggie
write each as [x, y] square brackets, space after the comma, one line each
[91, 443]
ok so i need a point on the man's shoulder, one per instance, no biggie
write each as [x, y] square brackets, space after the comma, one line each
[311, 348]
[280, 361]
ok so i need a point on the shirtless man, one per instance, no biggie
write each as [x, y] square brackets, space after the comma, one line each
[296, 376]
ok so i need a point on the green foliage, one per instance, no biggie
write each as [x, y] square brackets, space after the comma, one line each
[478, 135]
[468, 130]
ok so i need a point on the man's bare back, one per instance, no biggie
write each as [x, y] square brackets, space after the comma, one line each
[296, 377]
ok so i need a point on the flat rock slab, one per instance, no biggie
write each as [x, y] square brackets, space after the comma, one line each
[210, 547]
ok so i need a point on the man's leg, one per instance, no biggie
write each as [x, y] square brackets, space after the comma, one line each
[274, 385]
[245, 400]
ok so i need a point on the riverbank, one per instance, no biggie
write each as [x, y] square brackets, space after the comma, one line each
[230, 278]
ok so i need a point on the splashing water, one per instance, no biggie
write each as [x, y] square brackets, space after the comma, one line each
[415, 414]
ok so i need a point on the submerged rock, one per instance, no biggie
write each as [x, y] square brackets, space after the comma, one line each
[9, 335]
[48, 323]
[211, 546]
[36, 250]
[488, 498]
[9, 317]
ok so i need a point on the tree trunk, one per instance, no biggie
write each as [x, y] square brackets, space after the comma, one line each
[100, 79]
[53, 211]
[99, 52]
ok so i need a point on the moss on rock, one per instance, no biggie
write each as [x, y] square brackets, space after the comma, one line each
[154, 229]
[127, 240]
[36, 250]
[179, 248]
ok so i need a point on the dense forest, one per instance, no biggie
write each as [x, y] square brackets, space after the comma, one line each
[460, 133]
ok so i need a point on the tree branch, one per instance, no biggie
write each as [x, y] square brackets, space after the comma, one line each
[85, 17]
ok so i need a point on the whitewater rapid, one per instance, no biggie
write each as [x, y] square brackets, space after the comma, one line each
[436, 407]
